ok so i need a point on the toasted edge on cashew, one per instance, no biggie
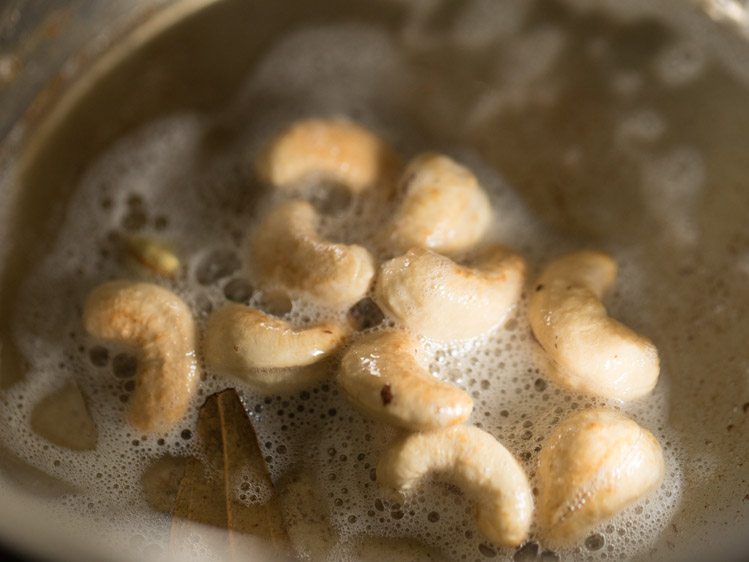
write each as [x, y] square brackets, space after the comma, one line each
[442, 206]
[433, 296]
[288, 251]
[159, 325]
[476, 462]
[588, 350]
[383, 375]
[239, 338]
[593, 464]
[333, 149]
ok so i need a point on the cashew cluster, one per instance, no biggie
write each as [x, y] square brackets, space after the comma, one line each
[383, 374]
[288, 251]
[159, 325]
[442, 207]
[589, 351]
[241, 341]
[333, 150]
[433, 296]
[476, 462]
[594, 464]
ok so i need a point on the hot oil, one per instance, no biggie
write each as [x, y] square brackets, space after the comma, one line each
[187, 179]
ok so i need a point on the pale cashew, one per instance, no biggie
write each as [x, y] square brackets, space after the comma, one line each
[335, 150]
[288, 251]
[594, 464]
[476, 462]
[588, 350]
[434, 297]
[160, 326]
[443, 207]
[383, 374]
[239, 339]
[289, 379]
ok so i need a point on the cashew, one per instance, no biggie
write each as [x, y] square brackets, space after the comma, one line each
[588, 350]
[239, 339]
[63, 418]
[442, 208]
[476, 462]
[153, 255]
[594, 464]
[288, 251]
[383, 375]
[288, 380]
[159, 324]
[329, 149]
[433, 296]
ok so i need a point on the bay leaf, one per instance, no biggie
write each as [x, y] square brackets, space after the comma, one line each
[210, 491]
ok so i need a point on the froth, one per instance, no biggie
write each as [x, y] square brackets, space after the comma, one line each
[513, 399]
[165, 180]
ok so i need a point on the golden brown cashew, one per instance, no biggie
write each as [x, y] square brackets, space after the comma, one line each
[327, 149]
[476, 462]
[443, 207]
[289, 252]
[594, 464]
[588, 350]
[239, 339]
[434, 297]
[160, 326]
[383, 375]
